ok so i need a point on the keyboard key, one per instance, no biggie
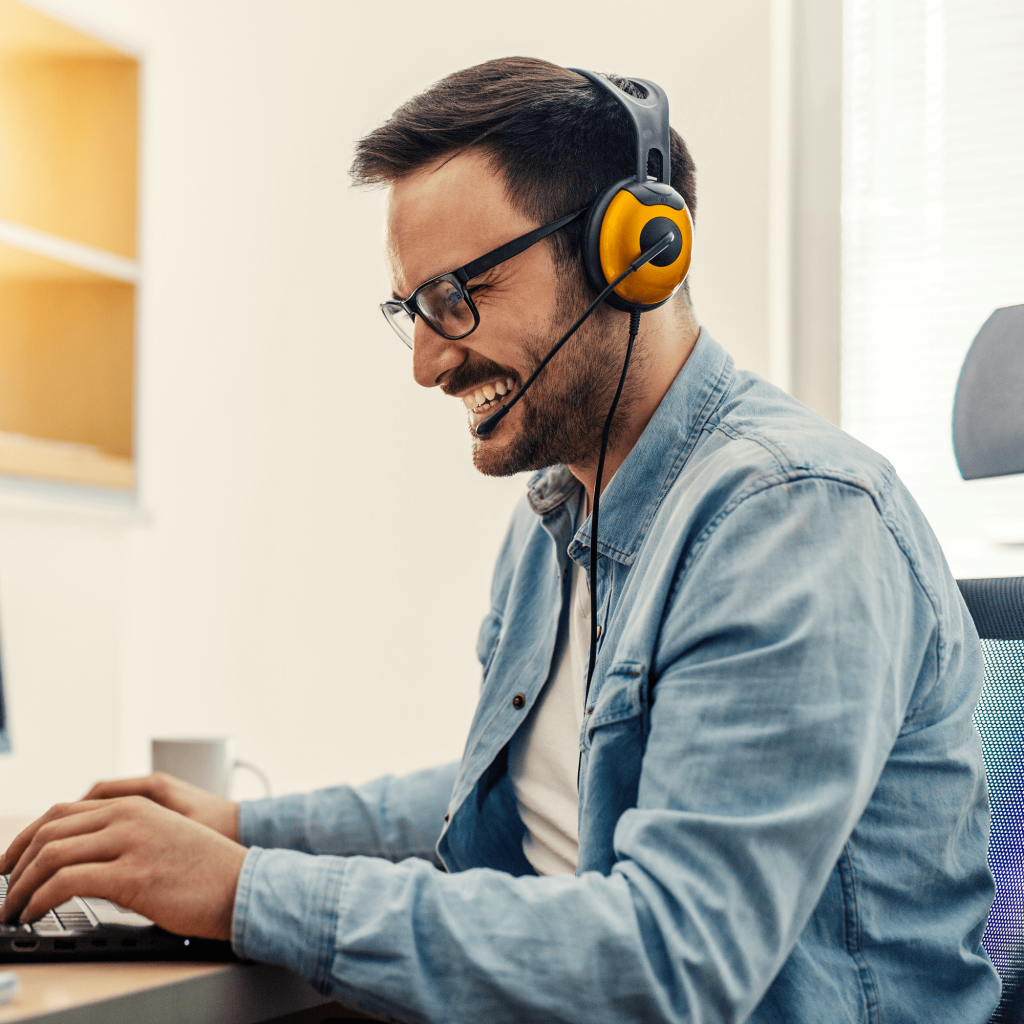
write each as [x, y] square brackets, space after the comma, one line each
[48, 924]
[84, 925]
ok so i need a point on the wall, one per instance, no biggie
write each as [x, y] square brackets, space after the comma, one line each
[308, 556]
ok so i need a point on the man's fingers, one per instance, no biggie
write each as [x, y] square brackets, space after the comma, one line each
[18, 846]
[60, 821]
[73, 880]
[53, 858]
[22, 840]
[143, 785]
[96, 817]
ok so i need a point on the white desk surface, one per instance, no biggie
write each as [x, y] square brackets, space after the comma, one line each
[159, 993]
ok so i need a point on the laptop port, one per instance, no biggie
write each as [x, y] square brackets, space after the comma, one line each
[24, 945]
[63, 945]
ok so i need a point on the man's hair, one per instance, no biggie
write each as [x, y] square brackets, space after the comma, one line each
[557, 139]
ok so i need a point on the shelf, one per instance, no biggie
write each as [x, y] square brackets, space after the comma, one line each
[26, 252]
[68, 131]
[66, 355]
[68, 274]
[58, 460]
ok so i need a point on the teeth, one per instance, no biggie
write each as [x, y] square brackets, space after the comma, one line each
[486, 395]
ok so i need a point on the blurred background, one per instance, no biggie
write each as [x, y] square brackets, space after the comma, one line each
[226, 509]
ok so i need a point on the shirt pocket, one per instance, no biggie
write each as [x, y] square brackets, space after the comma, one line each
[622, 698]
[488, 640]
[614, 739]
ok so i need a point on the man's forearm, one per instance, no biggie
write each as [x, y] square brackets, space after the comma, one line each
[409, 941]
[390, 817]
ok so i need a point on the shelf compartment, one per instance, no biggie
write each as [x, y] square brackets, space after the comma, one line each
[68, 275]
[58, 460]
[68, 131]
[66, 370]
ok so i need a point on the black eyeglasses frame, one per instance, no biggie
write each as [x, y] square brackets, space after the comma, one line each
[463, 275]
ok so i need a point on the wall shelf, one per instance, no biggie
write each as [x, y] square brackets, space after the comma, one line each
[68, 268]
[76, 463]
[62, 250]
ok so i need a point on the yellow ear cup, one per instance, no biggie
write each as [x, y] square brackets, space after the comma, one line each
[621, 227]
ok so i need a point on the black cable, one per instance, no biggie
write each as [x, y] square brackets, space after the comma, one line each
[634, 329]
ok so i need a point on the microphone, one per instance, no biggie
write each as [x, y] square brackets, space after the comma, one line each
[485, 426]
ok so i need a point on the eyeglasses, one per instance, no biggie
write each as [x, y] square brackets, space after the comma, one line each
[444, 302]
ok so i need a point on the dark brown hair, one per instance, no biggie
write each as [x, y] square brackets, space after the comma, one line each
[557, 139]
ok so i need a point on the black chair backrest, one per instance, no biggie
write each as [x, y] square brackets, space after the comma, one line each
[997, 607]
[988, 412]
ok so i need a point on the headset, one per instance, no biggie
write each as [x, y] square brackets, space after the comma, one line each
[631, 215]
[636, 250]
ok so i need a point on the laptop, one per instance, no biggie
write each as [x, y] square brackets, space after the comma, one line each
[96, 929]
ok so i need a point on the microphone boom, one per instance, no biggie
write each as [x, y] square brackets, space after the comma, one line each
[485, 426]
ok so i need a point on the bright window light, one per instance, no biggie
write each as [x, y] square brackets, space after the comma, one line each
[933, 242]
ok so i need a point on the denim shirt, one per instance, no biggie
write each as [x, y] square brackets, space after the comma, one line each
[782, 805]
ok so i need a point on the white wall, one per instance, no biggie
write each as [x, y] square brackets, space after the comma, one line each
[309, 554]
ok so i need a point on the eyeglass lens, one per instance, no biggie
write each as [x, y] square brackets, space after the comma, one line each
[403, 324]
[442, 303]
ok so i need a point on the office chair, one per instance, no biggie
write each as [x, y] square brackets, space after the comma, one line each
[988, 438]
[997, 607]
[988, 411]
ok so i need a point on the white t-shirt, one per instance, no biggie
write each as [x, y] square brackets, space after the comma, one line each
[545, 755]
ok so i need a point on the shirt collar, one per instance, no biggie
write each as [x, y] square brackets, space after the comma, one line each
[633, 496]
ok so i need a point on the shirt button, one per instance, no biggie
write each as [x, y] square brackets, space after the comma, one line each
[598, 631]
[518, 701]
[447, 816]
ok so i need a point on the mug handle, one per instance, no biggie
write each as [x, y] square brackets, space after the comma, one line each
[249, 766]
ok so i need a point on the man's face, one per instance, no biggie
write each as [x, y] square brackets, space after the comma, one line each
[439, 219]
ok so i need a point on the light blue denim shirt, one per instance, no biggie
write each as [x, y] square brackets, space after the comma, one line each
[782, 809]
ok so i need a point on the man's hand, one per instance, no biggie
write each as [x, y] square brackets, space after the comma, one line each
[178, 873]
[213, 811]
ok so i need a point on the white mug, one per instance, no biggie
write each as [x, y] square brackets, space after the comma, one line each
[207, 763]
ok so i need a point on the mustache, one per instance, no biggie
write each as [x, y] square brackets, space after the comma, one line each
[469, 376]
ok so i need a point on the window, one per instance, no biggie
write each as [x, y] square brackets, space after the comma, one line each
[933, 222]
[68, 270]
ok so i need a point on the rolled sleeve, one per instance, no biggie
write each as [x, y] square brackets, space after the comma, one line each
[390, 817]
[286, 911]
[273, 823]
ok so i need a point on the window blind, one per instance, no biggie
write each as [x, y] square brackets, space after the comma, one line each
[933, 242]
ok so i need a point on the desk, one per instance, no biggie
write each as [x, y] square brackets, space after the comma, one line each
[162, 993]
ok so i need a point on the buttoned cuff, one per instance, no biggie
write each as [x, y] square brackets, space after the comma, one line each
[286, 911]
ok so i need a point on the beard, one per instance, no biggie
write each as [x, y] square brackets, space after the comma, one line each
[562, 416]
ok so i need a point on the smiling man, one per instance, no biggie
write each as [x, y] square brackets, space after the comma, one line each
[765, 798]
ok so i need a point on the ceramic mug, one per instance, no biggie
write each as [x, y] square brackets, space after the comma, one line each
[207, 763]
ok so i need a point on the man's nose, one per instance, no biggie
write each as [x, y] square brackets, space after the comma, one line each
[433, 356]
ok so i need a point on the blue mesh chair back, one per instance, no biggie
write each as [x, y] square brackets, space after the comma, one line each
[997, 607]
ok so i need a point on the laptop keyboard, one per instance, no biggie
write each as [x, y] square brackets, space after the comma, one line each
[68, 917]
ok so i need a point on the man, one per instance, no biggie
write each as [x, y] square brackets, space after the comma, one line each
[770, 804]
